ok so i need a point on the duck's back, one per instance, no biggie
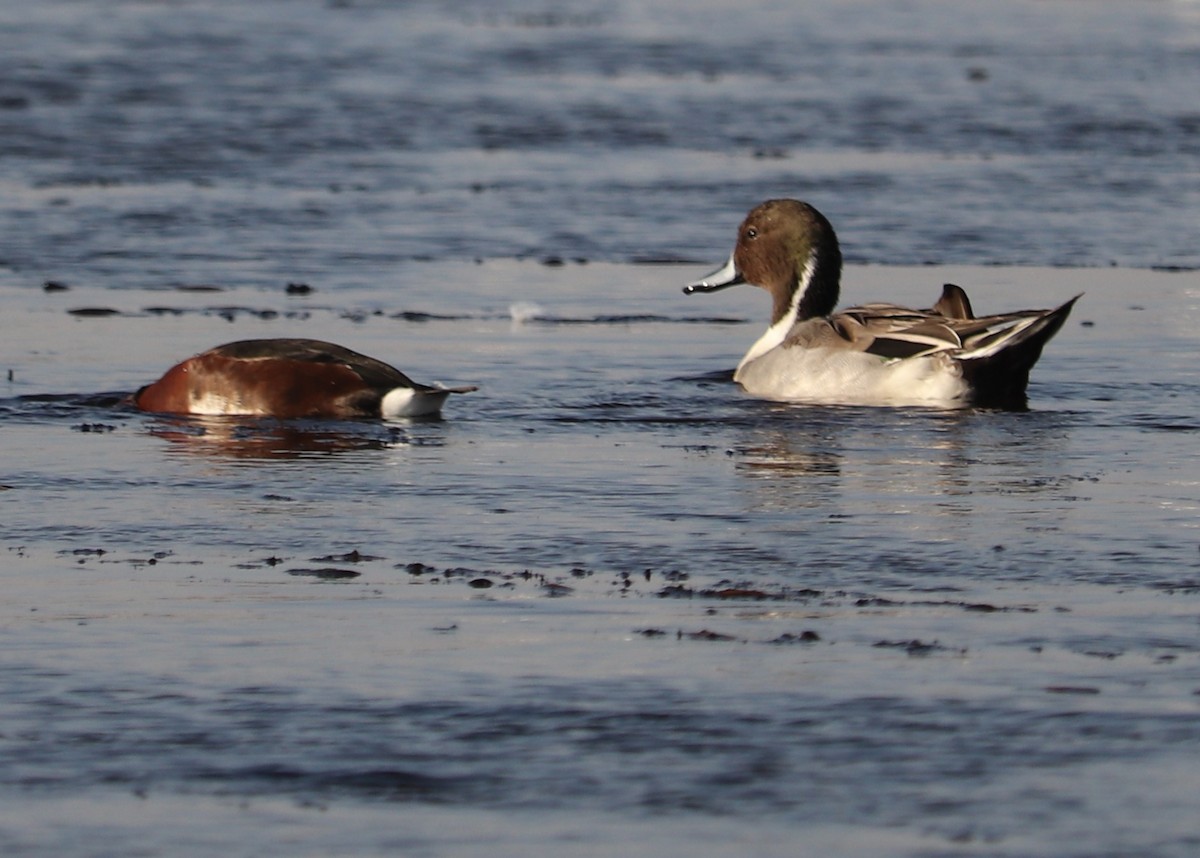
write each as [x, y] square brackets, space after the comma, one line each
[285, 378]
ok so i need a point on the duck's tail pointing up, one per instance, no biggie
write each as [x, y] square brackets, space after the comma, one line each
[997, 365]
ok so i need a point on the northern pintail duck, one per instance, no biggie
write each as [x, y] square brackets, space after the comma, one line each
[290, 378]
[876, 354]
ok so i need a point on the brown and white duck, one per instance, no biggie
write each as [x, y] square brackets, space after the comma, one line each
[290, 379]
[874, 354]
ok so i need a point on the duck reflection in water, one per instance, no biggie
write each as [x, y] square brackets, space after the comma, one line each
[953, 462]
[242, 438]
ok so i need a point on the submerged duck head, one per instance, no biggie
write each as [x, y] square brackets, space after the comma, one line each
[788, 248]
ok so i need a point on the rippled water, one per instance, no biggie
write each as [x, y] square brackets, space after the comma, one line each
[609, 604]
[147, 143]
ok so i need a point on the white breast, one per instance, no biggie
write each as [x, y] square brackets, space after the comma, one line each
[846, 377]
[211, 404]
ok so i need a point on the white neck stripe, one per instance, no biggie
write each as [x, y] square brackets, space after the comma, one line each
[778, 331]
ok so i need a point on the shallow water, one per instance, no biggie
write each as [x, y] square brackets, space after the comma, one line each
[609, 604]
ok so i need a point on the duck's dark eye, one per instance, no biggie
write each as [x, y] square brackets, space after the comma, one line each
[752, 233]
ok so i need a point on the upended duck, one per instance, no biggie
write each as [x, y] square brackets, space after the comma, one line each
[290, 379]
[874, 354]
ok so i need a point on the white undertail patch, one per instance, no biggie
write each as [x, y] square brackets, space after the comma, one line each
[407, 402]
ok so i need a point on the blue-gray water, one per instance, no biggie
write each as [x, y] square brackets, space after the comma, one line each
[609, 605]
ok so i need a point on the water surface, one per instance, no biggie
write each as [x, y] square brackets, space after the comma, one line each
[609, 604]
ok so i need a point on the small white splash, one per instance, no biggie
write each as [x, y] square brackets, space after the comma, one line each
[525, 311]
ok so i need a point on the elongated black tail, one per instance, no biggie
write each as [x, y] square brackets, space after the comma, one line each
[998, 373]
